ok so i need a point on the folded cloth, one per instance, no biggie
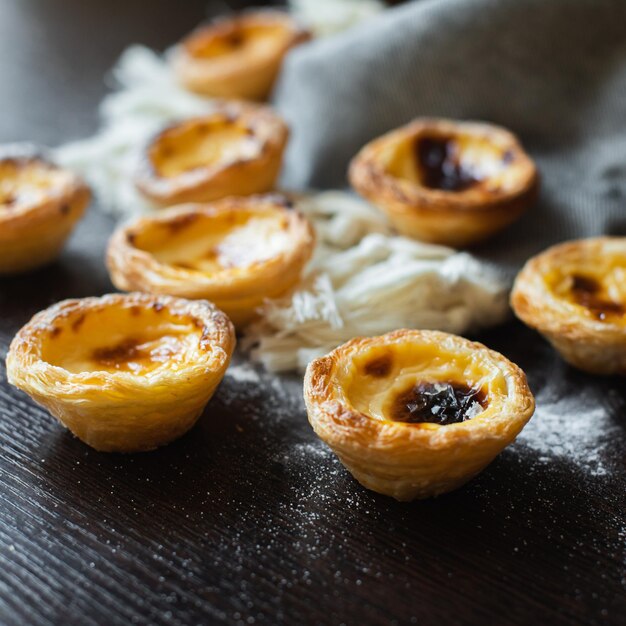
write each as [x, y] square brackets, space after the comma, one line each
[552, 71]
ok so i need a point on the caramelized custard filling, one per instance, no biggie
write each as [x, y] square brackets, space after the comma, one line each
[440, 403]
[27, 184]
[450, 162]
[419, 383]
[203, 144]
[439, 165]
[137, 355]
[237, 39]
[133, 340]
[213, 244]
[587, 292]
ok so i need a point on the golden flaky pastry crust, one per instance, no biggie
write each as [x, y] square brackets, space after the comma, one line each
[125, 373]
[40, 204]
[446, 182]
[239, 56]
[235, 252]
[236, 150]
[575, 295]
[350, 393]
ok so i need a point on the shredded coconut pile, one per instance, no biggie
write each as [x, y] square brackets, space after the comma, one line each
[365, 281]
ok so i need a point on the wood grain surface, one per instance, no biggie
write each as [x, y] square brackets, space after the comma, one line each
[248, 518]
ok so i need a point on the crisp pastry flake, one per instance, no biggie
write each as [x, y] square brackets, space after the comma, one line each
[40, 204]
[124, 372]
[236, 150]
[447, 182]
[574, 294]
[414, 413]
[238, 56]
[235, 252]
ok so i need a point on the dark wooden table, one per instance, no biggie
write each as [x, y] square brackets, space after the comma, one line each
[248, 518]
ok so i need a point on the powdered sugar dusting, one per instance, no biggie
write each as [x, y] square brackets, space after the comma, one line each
[573, 429]
[243, 373]
[306, 451]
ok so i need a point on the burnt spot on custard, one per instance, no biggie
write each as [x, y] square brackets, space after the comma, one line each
[379, 366]
[133, 355]
[202, 128]
[8, 201]
[440, 403]
[183, 265]
[158, 307]
[439, 165]
[78, 322]
[586, 292]
[181, 222]
[232, 37]
[118, 356]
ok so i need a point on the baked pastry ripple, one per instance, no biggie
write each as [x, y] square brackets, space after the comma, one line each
[415, 413]
[235, 150]
[447, 182]
[124, 372]
[575, 295]
[40, 204]
[235, 252]
[239, 56]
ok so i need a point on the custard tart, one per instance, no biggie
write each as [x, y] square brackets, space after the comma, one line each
[416, 413]
[125, 373]
[575, 295]
[236, 150]
[446, 182]
[239, 56]
[39, 205]
[235, 252]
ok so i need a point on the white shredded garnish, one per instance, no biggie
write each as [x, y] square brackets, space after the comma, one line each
[326, 17]
[365, 281]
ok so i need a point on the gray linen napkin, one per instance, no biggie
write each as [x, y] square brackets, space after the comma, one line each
[552, 71]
